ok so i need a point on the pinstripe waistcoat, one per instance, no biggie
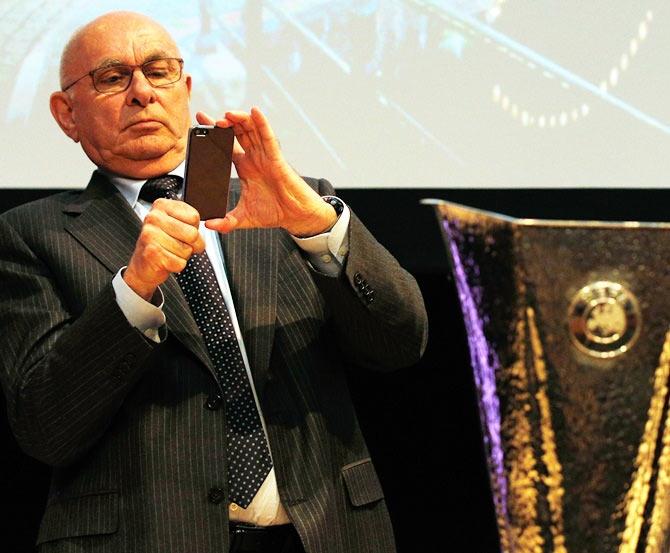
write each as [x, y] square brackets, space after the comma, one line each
[121, 419]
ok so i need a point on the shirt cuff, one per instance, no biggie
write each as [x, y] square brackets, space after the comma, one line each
[147, 317]
[327, 251]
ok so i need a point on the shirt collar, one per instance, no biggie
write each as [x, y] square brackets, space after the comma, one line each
[130, 188]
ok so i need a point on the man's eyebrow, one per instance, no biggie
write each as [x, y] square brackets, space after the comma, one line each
[157, 55]
[109, 62]
[152, 56]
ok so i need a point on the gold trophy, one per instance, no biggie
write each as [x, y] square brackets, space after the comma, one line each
[567, 325]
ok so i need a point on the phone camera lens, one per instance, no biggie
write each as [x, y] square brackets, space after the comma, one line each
[201, 132]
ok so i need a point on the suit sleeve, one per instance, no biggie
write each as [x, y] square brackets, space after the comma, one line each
[64, 377]
[375, 307]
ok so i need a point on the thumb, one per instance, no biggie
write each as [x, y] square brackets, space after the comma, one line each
[204, 119]
[229, 223]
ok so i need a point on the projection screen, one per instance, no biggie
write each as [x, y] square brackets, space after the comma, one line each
[386, 93]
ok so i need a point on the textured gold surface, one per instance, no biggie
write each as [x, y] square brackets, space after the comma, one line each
[528, 472]
[525, 532]
[658, 540]
[638, 493]
[554, 478]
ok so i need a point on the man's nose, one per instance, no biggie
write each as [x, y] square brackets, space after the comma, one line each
[140, 91]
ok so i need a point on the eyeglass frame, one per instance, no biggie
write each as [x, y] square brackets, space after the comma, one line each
[132, 74]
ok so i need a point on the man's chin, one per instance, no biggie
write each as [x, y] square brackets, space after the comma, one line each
[143, 158]
[147, 148]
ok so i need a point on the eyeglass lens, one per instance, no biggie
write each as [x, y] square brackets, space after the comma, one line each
[117, 77]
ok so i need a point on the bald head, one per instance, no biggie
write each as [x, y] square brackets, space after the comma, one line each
[107, 25]
[139, 131]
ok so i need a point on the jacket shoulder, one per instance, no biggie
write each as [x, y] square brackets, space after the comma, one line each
[55, 203]
[42, 211]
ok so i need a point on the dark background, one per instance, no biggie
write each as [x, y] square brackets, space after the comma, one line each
[421, 423]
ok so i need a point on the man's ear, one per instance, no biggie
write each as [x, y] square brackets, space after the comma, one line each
[61, 109]
[188, 84]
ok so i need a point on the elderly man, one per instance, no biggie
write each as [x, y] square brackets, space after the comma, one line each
[185, 380]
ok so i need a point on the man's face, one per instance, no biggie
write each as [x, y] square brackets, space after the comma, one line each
[140, 132]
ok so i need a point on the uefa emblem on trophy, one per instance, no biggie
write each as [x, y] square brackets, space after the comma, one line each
[604, 319]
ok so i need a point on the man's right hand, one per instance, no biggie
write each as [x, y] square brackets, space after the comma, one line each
[168, 238]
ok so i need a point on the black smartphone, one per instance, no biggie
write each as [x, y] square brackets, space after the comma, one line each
[209, 156]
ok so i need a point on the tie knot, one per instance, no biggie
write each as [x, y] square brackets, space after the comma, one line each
[165, 186]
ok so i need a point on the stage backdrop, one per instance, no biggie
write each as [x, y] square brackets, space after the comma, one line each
[387, 93]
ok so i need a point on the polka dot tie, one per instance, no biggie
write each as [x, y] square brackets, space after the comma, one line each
[249, 460]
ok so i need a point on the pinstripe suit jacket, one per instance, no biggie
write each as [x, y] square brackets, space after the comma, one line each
[122, 419]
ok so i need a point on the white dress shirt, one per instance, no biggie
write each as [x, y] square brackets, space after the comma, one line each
[325, 252]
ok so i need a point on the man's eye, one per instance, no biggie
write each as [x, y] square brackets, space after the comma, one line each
[112, 76]
[156, 73]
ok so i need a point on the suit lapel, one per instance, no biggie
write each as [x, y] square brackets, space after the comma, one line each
[251, 257]
[104, 223]
[107, 227]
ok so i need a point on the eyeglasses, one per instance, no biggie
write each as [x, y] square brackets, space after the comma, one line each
[117, 78]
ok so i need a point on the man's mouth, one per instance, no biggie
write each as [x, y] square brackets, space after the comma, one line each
[144, 124]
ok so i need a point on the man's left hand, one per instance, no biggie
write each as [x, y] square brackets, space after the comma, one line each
[273, 194]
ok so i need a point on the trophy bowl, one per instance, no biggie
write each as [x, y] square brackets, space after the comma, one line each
[567, 325]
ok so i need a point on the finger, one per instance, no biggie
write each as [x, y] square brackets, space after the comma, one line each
[204, 119]
[237, 116]
[173, 246]
[244, 127]
[238, 216]
[199, 245]
[155, 239]
[242, 123]
[243, 137]
[269, 141]
[160, 251]
[243, 119]
[145, 273]
[168, 261]
[178, 210]
[172, 226]
[157, 244]
[248, 139]
[262, 125]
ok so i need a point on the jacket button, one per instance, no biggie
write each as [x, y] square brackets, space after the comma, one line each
[214, 402]
[358, 278]
[215, 495]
